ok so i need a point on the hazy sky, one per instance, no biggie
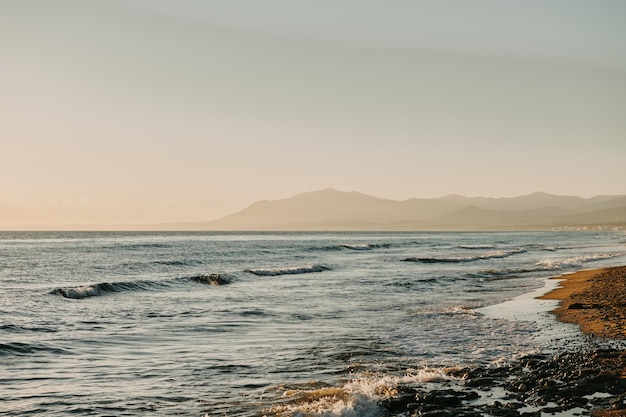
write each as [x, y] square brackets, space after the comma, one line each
[141, 111]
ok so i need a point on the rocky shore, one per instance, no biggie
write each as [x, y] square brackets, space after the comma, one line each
[581, 383]
[588, 381]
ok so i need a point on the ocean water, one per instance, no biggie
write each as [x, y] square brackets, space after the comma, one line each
[253, 324]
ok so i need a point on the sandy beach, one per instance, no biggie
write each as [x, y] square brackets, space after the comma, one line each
[586, 381]
[595, 300]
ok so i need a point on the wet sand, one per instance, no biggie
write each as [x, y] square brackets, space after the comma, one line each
[590, 380]
[594, 300]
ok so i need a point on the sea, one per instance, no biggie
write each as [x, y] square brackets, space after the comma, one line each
[267, 324]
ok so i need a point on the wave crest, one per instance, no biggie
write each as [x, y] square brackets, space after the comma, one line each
[103, 288]
[211, 279]
[289, 270]
[365, 246]
[364, 395]
[550, 264]
[459, 259]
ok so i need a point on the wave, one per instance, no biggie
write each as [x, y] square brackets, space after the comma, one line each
[14, 328]
[211, 279]
[365, 246]
[20, 349]
[136, 246]
[358, 247]
[362, 395]
[459, 259]
[288, 271]
[355, 247]
[178, 263]
[475, 247]
[552, 264]
[95, 290]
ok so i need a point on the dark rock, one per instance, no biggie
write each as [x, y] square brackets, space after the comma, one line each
[435, 413]
[562, 380]
[553, 409]
[440, 398]
[581, 306]
[402, 401]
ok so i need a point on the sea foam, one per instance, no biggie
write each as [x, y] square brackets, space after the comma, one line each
[459, 259]
[288, 270]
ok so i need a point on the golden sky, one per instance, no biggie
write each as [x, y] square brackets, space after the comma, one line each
[147, 111]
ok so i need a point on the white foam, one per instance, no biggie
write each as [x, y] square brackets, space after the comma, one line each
[358, 247]
[288, 270]
[551, 264]
[358, 397]
[80, 292]
[475, 246]
[528, 308]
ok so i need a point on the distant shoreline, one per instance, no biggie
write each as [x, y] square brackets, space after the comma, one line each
[94, 229]
[334, 210]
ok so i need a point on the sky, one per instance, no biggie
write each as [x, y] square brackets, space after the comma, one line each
[149, 111]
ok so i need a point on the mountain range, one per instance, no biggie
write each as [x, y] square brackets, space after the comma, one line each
[338, 210]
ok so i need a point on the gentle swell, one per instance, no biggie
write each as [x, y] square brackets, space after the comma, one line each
[288, 271]
[365, 246]
[20, 349]
[178, 263]
[104, 288]
[459, 259]
[553, 264]
[475, 247]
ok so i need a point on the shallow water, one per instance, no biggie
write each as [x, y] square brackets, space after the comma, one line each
[245, 324]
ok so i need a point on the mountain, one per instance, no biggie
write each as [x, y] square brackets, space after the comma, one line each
[338, 210]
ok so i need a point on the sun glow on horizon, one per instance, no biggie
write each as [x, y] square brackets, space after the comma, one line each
[142, 112]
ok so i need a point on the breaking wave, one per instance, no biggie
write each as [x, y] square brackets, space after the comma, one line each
[475, 247]
[211, 279]
[552, 264]
[288, 271]
[459, 259]
[365, 246]
[361, 396]
[95, 290]
[358, 247]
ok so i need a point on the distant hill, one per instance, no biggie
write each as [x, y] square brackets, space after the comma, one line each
[338, 210]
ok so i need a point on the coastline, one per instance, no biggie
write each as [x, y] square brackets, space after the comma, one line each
[595, 300]
[586, 378]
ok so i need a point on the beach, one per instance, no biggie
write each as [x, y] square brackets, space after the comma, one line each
[589, 379]
[595, 300]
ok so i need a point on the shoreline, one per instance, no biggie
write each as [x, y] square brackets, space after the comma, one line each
[587, 379]
[595, 300]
